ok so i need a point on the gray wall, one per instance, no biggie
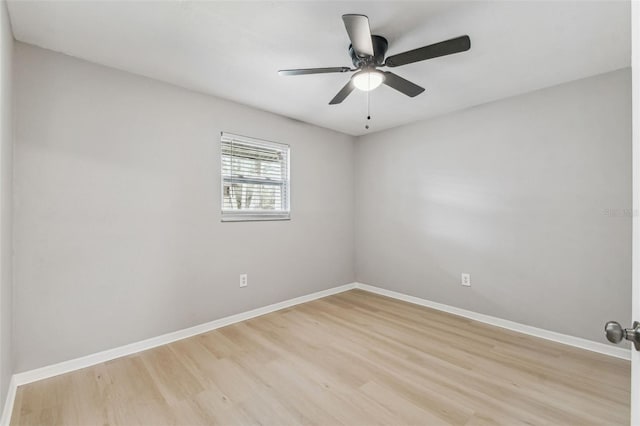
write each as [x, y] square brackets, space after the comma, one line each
[6, 201]
[118, 234]
[530, 195]
[117, 219]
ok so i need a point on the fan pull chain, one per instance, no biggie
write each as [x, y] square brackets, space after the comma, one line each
[368, 110]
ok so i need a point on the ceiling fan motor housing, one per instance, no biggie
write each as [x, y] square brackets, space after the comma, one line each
[380, 46]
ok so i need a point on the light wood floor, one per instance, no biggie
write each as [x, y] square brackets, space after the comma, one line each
[353, 358]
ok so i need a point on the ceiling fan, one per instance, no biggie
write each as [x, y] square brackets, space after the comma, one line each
[367, 54]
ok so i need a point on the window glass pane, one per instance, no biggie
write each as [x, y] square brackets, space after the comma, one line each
[255, 178]
[239, 196]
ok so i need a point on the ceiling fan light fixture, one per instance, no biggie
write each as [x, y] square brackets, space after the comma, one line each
[368, 80]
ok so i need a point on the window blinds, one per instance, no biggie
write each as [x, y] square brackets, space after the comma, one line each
[255, 179]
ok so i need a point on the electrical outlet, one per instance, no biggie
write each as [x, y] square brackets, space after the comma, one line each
[465, 280]
[243, 280]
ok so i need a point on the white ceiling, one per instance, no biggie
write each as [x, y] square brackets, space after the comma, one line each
[234, 49]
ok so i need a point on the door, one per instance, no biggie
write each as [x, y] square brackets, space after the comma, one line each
[635, 309]
[614, 331]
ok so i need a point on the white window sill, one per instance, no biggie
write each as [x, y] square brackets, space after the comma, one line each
[253, 217]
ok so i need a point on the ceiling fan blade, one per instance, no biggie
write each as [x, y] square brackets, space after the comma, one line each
[401, 85]
[343, 93]
[359, 33]
[455, 45]
[313, 71]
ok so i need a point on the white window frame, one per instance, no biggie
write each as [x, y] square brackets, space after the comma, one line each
[255, 214]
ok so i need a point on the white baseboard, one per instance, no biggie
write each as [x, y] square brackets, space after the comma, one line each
[8, 403]
[99, 357]
[565, 339]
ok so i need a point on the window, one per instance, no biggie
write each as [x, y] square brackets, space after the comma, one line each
[255, 179]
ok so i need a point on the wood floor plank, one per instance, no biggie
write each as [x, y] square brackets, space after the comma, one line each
[350, 359]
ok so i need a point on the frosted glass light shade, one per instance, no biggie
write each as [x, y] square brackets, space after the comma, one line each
[368, 80]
